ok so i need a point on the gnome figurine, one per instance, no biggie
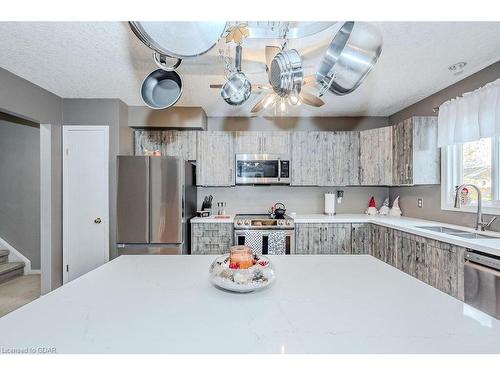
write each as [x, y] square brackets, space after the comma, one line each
[384, 210]
[372, 209]
[395, 210]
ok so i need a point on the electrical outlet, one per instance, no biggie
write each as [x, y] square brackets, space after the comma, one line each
[420, 202]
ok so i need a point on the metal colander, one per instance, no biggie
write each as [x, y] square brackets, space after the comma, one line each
[287, 74]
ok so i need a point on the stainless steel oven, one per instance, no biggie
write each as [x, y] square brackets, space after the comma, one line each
[482, 282]
[262, 169]
[265, 235]
[240, 238]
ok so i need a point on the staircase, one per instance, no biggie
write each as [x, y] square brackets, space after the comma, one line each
[9, 270]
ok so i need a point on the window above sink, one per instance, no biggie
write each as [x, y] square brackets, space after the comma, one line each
[477, 163]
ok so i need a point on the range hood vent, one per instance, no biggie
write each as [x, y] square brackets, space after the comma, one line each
[181, 118]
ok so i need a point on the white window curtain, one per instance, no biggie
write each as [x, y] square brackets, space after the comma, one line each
[473, 116]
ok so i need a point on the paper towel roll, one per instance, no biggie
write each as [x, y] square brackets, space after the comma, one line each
[330, 200]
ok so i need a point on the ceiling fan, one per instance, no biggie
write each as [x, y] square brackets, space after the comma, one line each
[285, 81]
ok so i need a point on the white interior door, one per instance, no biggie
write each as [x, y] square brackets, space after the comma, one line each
[85, 199]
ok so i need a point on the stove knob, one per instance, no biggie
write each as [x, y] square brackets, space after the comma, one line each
[239, 222]
[248, 222]
[289, 222]
[281, 222]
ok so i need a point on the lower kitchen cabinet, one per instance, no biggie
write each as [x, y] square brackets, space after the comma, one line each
[361, 238]
[436, 263]
[211, 238]
[323, 239]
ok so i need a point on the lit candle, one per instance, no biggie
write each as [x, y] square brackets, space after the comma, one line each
[241, 257]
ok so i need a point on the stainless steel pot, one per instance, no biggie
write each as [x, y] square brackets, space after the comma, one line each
[286, 74]
[238, 88]
[178, 40]
[351, 56]
[161, 89]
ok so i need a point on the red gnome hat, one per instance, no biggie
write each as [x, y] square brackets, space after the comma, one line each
[372, 202]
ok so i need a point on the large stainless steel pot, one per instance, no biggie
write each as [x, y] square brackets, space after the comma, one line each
[178, 39]
[161, 89]
[351, 56]
[286, 74]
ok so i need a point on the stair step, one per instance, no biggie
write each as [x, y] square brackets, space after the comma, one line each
[4, 256]
[10, 270]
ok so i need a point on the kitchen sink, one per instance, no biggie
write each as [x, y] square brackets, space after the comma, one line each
[443, 229]
[458, 232]
[473, 235]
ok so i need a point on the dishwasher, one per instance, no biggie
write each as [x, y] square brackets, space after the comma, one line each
[482, 282]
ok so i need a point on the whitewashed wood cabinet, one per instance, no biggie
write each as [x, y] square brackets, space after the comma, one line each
[211, 238]
[339, 158]
[415, 155]
[376, 156]
[361, 238]
[179, 143]
[436, 263]
[325, 158]
[262, 142]
[215, 159]
[306, 155]
[323, 239]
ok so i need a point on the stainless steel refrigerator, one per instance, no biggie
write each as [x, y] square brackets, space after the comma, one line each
[156, 197]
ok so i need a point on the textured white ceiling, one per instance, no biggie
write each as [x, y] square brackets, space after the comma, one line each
[105, 60]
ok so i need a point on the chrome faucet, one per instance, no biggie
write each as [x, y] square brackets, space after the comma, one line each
[480, 224]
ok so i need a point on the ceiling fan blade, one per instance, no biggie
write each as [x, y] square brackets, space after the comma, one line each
[216, 86]
[311, 99]
[263, 87]
[271, 51]
[309, 80]
[264, 102]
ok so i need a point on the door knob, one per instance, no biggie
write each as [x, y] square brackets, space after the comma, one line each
[97, 220]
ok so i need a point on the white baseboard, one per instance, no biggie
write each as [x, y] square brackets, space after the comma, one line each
[16, 256]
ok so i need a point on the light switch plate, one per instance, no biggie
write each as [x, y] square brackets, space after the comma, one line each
[420, 202]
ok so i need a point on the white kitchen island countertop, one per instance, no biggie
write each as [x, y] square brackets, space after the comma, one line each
[318, 304]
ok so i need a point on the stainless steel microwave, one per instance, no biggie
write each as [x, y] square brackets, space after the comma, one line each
[266, 169]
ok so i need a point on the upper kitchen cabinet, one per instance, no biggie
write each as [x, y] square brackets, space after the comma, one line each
[376, 156]
[267, 142]
[339, 159]
[179, 143]
[215, 159]
[325, 158]
[415, 155]
[306, 153]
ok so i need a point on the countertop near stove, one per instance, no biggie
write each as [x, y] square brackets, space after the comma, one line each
[213, 219]
[318, 304]
[405, 224]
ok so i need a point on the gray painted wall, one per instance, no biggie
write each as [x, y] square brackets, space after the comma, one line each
[424, 107]
[432, 193]
[20, 188]
[26, 100]
[303, 200]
